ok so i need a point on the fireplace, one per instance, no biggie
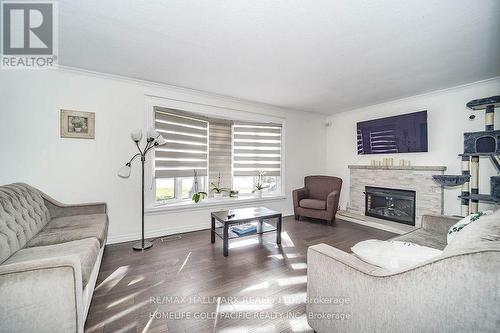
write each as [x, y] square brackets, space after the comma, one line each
[390, 204]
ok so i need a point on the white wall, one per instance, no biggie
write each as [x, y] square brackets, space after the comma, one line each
[76, 171]
[447, 121]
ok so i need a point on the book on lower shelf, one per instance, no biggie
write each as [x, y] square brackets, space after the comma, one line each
[244, 229]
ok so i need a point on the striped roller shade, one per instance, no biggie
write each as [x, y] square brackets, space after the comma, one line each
[186, 148]
[256, 147]
[220, 152]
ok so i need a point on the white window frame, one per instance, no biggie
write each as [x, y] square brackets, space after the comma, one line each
[177, 190]
[204, 109]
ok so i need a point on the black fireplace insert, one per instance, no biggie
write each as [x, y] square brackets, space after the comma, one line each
[390, 204]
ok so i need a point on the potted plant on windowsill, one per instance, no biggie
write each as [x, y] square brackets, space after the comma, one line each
[259, 185]
[197, 195]
[217, 189]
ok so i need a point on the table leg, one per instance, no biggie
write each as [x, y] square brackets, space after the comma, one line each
[259, 226]
[226, 240]
[212, 231]
[278, 230]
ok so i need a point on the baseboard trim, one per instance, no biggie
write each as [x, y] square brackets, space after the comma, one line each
[164, 232]
[156, 233]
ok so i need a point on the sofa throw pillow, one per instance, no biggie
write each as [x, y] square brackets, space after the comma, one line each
[393, 255]
[452, 232]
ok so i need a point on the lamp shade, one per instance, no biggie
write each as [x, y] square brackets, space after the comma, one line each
[124, 171]
[152, 133]
[161, 140]
[136, 135]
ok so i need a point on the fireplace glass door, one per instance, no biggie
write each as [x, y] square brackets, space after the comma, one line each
[390, 204]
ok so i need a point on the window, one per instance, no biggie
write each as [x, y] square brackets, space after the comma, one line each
[256, 148]
[245, 184]
[185, 152]
[165, 189]
[217, 149]
[180, 188]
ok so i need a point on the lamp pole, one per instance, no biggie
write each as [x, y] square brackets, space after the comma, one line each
[144, 244]
[154, 140]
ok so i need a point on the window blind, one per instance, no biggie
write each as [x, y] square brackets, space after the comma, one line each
[186, 149]
[256, 148]
[220, 148]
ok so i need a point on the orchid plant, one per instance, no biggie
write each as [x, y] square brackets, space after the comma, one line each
[259, 185]
[217, 188]
[198, 195]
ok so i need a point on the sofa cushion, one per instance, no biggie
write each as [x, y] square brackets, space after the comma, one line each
[70, 228]
[86, 250]
[425, 238]
[313, 204]
[22, 215]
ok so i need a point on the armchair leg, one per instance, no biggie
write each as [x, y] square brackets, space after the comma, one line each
[297, 217]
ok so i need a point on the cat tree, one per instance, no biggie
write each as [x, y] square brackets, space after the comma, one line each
[477, 144]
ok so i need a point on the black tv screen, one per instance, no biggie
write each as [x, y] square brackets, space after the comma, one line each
[406, 133]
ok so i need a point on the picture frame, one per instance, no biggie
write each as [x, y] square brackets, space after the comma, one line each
[77, 124]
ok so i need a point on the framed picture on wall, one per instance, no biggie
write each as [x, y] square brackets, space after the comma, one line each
[77, 124]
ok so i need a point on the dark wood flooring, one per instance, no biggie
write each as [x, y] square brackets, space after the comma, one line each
[187, 285]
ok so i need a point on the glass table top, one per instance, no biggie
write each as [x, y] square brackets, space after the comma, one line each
[244, 214]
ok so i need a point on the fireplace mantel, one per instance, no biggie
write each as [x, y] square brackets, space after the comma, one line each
[397, 167]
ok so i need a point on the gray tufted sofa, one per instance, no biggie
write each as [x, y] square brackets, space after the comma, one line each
[50, 254]
[457, 291]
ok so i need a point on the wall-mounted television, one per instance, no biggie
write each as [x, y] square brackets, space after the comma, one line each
[406, 133]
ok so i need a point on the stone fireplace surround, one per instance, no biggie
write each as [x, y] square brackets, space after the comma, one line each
[429, 194]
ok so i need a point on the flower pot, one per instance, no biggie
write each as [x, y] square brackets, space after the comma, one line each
[218, 195]
[257, 194]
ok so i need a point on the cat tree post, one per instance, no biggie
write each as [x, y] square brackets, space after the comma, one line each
[465, 186]
[474, 182]
[489, 118]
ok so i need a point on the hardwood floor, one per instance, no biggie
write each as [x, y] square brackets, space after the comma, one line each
[169, 287]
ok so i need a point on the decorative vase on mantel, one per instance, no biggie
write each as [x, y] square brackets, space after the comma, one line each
[218, 195]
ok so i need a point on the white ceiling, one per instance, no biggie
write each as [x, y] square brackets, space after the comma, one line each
[322, 56]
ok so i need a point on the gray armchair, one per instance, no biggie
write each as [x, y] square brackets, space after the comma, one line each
[319, 198]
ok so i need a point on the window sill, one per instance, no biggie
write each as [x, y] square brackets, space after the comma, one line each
[211, 202]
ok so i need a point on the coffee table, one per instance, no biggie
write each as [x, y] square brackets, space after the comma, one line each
[228, 218]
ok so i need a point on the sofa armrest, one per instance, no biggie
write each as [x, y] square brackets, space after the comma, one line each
[41, 296]
[58, 209]
[298, 195]
[438, 223]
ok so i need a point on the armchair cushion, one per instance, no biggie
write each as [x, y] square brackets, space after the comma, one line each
[313, 204]
[86, 250]
[70, 228]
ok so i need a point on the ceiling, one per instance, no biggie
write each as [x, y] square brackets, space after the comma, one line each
[320, 56]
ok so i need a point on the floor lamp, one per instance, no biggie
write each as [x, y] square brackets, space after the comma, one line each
[154, 140]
